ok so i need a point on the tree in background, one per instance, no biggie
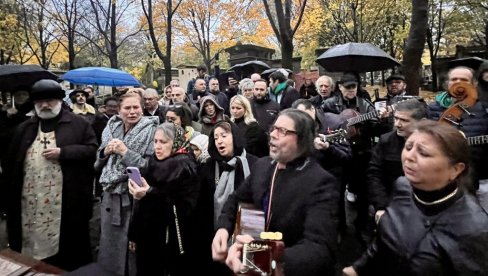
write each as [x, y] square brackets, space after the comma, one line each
[415, 45]
[67, 15]
[166, 12]
[109, 26]
[281, 16]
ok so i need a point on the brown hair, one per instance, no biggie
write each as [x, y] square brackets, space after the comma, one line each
[452, 143]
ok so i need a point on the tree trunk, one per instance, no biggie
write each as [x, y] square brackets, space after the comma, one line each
[113, 38]
[415, 46]
[287, 54]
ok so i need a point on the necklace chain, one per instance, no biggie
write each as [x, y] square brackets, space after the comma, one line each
[436, 201]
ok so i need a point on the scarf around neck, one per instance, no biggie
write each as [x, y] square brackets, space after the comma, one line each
[279, 88]
[225, 185]
[444, 99]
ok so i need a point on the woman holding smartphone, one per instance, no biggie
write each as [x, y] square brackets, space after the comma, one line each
[164, 206]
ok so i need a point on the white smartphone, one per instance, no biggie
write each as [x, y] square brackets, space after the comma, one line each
[134, 175]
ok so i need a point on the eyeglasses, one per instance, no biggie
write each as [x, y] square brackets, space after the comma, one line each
[282, 132]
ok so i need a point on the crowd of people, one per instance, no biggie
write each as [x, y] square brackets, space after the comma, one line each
[417, 186]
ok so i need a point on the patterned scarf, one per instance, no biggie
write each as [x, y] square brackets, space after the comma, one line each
[138, 139]
[180, 143]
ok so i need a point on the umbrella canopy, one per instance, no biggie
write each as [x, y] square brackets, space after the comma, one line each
[12, 76]
[356, 57]
[265, 74]
[471, 62]
[100, 76]
[253, 65]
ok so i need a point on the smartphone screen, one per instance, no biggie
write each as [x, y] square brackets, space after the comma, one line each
[134, 175]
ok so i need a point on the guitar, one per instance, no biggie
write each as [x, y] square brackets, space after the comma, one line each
[263, 255]
[477, 140]
[336, 136]
[375, 114]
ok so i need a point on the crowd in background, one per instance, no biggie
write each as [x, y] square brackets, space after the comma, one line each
[415, 183]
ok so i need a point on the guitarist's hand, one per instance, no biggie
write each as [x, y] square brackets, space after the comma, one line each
[384, 112]
[219, 245]
[319, 144]
[235, 254]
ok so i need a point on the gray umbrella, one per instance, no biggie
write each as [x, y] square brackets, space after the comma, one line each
[356, 57]
[12, 76]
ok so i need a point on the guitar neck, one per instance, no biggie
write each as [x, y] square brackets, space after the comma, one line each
[478, 140]
[363, 117]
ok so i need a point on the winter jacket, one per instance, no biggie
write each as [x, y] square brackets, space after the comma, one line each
[450, 238]
[304, 209]
[265, 111]
[255, 137]
[384, 168]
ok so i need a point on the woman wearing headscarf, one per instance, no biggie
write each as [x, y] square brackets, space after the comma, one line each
[164, 207]
[210, 114]
[181, 115]
[255, 136]
[225, 171]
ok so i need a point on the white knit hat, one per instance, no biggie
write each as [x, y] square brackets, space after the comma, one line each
[201, 141]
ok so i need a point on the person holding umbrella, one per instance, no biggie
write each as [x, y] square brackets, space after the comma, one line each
[349, 105]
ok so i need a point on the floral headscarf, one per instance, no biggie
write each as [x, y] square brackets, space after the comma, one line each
[180, 143]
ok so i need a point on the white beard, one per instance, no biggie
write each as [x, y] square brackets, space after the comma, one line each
[48, 114]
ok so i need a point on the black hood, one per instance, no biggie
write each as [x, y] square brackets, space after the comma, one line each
[237, 137]
[483, 68]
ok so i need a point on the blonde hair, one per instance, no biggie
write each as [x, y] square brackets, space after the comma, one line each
[244, 102]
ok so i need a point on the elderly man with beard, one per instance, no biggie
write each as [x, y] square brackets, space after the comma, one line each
[50, 174]
[298, 197]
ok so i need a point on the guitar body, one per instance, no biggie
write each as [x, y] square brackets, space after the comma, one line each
[346, 115]
[263, 256]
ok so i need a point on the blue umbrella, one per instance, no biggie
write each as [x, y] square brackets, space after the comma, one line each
[100, 76]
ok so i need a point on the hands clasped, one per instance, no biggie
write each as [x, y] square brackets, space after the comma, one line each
[115, 146]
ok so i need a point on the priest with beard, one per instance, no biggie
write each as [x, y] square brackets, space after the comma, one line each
[50, 179]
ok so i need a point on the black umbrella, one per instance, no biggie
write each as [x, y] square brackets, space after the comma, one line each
[254, 65]
[471, 62]
[268, 72]
[356, 57]
[12, 76]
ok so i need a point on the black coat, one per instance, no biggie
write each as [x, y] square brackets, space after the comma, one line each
[384, 168]
[289, 95]
[338, 154]
[174, 182]
[205, 207]
[255, 138]
[160, 113]
[304, 210]
[412, 240]
[76, 138]
[367, 130]
[265, 111]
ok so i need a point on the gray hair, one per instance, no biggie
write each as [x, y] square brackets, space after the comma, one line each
[150, 92]
[168, 129]
[328, 79]
[246, 83]
[418, 109]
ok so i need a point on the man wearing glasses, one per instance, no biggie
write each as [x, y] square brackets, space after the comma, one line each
[298, 197]
[151, 105]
